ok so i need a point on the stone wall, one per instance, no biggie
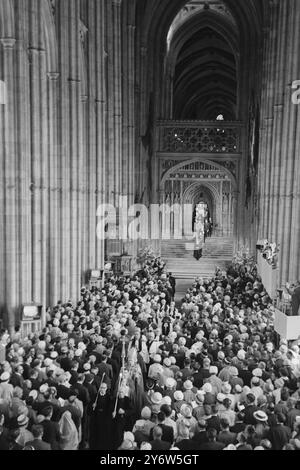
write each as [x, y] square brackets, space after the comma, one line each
[67, 140]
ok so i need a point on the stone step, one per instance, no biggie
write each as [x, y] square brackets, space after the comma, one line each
[214, 248]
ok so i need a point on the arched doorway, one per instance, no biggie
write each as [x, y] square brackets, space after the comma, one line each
[188, 183]
[200, 194]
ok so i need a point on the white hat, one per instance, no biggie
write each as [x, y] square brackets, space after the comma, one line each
[241, 355]
[5, 377]
[260, 416]
[213, 370]
[178, 395]
[44, 388]
[157, 358]
[226, 388]
[128, 436]
[207, 388]
[33, 394]
[221, 397]
[170, 382]
[22, 420]
[257, 372]
[167, 401]
[186, 411]
[188, 385]
[230, 447]
[156, 398]
[146, 446]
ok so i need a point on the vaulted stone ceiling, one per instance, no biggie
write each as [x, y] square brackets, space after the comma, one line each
[205, 78]
[212, 56]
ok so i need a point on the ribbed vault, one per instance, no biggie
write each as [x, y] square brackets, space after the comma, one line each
[242, 27]
[203, 59]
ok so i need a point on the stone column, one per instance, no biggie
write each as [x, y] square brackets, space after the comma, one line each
[39, 170]
[53, 248]
[278, 120]
[101, 109]
[269, 113]
[9, 191]
[287, 143]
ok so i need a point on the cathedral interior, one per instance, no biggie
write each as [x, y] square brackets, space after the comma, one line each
[160, 101]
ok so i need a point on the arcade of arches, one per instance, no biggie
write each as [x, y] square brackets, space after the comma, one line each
[161, 101]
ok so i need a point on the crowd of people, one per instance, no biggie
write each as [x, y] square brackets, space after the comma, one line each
[127, 368]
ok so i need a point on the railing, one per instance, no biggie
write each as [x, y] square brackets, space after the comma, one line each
[199, 137]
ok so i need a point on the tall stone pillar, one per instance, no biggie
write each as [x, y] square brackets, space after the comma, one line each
[54, 228]
[39, 170]
[288, 146]
[9, 191]
[268, 116]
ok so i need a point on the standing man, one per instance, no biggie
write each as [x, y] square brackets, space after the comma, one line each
[100, 421]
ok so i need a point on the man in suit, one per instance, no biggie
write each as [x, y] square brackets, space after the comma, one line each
[200, 436]
[167, 431]
[226, 436]
[158, 443]
[212, 443]
[38, 443]
[279, 435]
[250, 410]
[51, 429]
[106, 368]
[16, 378]
[83, 395]
[214, 420]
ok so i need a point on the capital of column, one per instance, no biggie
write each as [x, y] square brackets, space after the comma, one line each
[84, 98]
[8, 43]
[53, 75]
[117, 3]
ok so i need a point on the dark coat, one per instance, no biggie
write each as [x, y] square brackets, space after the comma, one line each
[38, 444]
[157, 444]
[51, 434]
[212, 446]
[167, 435]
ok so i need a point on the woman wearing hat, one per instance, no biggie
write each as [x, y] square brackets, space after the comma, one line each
[6, 389]
[188, 395]
[25, 435]
[185, 420]
[156, 402]
[179, 401]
